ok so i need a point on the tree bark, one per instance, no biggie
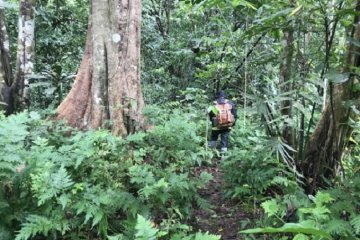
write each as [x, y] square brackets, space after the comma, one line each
[286, 84]
[24, 59]
[327, 143]
[5, 69]
[107, 90]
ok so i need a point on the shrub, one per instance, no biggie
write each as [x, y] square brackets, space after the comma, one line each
[91, 183]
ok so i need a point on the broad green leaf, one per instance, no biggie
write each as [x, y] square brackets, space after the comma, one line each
[301, 236]
[291, 228]
[337, 77]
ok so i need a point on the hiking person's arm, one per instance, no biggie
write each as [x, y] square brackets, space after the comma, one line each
[211, 112]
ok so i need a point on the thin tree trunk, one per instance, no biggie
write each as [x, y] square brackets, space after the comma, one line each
[107, 91]
[327, 143]
[25, 50]
[5, 70]
[286, 83]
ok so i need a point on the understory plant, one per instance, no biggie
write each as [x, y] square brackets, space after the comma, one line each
[60, 183]
[252, 169]
[330, 214]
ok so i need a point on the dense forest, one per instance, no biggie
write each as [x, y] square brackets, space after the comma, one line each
[110, 112]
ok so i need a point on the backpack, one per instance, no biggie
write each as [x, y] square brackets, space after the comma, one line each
[225, 118]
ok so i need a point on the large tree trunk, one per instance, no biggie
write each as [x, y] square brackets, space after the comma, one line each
[5, 70]
[24, 59]
[107, 91]
[327, 143]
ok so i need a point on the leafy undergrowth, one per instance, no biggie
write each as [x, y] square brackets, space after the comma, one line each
[226, 217]
[59, 183]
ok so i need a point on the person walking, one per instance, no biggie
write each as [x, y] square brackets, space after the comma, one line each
[222, 115]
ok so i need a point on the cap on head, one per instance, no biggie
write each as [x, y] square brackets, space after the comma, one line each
[220, 94]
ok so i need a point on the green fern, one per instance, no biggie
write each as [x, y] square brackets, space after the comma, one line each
[202, 203]
[129, 204]
[145, 230]
[318, 212]
[338, 227]
[12, 143]
[306, 227]
[270, 207]
[35, 225]
[322, 198]
[141, 174]
[206, 236]
[47, 185]
[355, 222]
[116, 237]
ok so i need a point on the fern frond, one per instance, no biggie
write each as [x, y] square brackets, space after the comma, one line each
[355, 222]
[340, 206]
[319, 213]
[270, 207]
[129, 204]
[206, 236]
[116, 237]
[202, 203]
[46, 185]
[34, 225]
[322, 198]
[145, 229]
[338, 226]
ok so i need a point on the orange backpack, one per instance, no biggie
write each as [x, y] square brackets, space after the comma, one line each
[225, 118]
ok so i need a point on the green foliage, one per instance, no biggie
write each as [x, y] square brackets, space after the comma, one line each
[50, 86]
[303, 227]
[14, 175]
[58, 183]
[96, 184]
[328, 215]
[47, 185]
[144, 229]
[35, 225]
[197, 236]
[61, 33]
[251, 168]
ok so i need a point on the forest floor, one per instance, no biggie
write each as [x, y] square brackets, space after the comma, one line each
[226, 215]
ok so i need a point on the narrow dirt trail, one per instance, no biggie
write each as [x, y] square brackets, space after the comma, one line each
[226, 215]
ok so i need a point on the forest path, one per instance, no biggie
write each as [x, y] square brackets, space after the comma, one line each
[226, 215]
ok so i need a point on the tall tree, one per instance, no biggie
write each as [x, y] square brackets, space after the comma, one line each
[107, 90]
[25, 55]
[286, 82]
[328, 141]
[14, 90]
[5, 69]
